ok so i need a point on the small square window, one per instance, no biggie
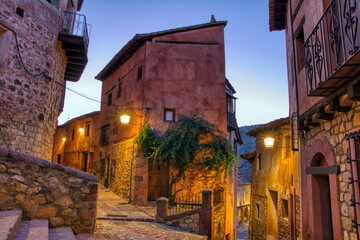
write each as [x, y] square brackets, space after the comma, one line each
[20, 12]
[169, 115]
[139, 76]
[109, 103]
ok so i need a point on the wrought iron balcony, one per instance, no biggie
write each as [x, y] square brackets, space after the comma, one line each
[231, 121]
[331, 51]
[74, 36]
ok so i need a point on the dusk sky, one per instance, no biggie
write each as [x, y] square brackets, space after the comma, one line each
[255, 58]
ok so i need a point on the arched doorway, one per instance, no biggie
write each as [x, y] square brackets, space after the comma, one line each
[322, 192]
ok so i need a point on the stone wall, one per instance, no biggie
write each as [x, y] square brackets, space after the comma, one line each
[46, 190]
[297, 218]
[29, 106]
[219, 221]
[258, 217]
[120, 165]
[188, 222]
[334, 131]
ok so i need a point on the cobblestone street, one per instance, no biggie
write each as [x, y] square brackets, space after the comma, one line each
[116, 219]
[242, 231]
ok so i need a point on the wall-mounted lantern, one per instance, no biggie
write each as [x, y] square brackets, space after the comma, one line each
[125, 119]
[269, 142]
[81, 130]
[64, 139]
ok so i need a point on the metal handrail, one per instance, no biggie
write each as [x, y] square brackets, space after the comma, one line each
[334, 39]
[75, 24]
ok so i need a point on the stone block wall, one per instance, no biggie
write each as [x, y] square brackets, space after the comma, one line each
[258, 217]
[188, 222]
[334, 131]
[219, 221]
[29, 105]
[45, 190]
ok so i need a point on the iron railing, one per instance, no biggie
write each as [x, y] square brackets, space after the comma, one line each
[334, 39]
[185, 204]
[193, 202]
[75, 24]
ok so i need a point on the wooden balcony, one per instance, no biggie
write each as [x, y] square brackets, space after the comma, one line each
[231, 121]
[75, 41]
[331, 53]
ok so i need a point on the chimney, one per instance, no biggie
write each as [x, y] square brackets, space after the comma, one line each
[212, 20]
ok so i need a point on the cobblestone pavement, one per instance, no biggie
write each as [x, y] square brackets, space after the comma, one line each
[242, 231]
[119, 220]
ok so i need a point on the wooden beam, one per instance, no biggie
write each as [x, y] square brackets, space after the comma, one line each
[354, 91]
[309, 121]
[321, 114]
[335, 105]
[323, 170]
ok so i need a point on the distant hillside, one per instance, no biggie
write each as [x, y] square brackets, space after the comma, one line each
[249, 145]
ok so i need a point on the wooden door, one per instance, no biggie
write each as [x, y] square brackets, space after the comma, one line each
[158, 181]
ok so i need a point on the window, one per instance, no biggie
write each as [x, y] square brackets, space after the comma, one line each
[284, 208]
[20, 12]
[119, 90]
[139, 76]
[109, 102]
[257, 211]
[53, 2]
[72, 134]
[104, 135]
[87, 129]
[84, 165]
[169, 115]
[59, 158]
[299, 44]
[258, 162]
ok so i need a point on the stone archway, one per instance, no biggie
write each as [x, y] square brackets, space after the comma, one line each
[322, 188]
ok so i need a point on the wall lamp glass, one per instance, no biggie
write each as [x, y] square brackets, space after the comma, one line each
[269, 142]
[81, 130]
[125, 119]
[64, 139]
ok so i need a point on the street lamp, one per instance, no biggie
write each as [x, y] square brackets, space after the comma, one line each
[125, 119]
[269, 142]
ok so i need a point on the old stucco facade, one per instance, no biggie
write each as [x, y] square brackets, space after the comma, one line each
[324, 109]
[32, 69]
[274, 212]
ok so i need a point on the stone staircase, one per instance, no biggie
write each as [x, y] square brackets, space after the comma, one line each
[12, 227]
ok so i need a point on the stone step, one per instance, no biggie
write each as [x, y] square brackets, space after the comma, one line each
[33, 230]
[84, 237]
[9, 223]
[61, 233]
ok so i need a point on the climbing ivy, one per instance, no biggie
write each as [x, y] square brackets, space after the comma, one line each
[190, 140]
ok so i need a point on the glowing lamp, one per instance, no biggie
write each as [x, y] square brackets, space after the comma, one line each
[64, 139]
[269, 142]
[81, 130]
[125, 119]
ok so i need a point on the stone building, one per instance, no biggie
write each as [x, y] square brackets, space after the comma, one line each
[153, 79]
[41, 49]
[274, 186]
[322, 48]
[76, 143]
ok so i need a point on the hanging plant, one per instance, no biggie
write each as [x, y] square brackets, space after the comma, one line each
[190, 140]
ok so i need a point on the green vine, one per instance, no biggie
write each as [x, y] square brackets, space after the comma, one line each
[190, 140]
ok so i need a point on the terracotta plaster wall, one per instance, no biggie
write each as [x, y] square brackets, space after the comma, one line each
[29, 106]
[186, 77]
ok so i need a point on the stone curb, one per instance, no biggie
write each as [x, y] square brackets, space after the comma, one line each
[28, 159]
[127, 219]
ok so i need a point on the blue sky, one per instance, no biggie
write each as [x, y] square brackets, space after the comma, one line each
[255, 58]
